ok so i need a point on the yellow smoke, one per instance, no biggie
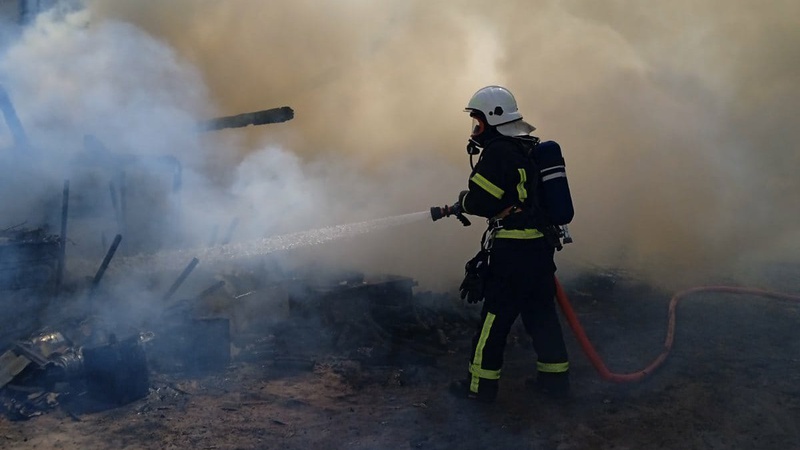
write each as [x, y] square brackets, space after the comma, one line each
[676, 118]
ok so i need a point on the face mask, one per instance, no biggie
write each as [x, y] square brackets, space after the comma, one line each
[473, 147]
[478, 127]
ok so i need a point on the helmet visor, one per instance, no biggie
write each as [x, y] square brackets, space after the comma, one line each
[477, 126]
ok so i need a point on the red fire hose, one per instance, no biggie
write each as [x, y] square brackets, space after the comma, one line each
[598, 363]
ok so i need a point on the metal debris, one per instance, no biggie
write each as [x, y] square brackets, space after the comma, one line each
[38, 372]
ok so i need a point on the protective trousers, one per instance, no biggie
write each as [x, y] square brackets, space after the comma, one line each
[520, 283]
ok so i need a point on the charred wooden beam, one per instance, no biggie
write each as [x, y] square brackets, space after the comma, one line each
[178, 282]
[104, 265]
[12, 120]
[211, 289]
[274, 115]
[63, 238]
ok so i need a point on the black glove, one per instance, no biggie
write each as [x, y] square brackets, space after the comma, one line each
[461, 196]
[476, 270]
[458, 210]
[471, 289]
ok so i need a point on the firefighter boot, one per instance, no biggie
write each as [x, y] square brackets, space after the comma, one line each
[552, 385]
[487, 390]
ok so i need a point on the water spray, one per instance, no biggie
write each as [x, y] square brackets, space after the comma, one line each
[265, 246]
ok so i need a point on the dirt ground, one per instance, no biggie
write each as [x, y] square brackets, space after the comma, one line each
[732, 381]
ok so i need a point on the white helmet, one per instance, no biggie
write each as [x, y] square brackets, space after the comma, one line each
[499, 107]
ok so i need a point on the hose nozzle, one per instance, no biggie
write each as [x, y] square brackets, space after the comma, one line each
[438, 212]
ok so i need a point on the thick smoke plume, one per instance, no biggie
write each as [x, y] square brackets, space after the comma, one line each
[675, 118]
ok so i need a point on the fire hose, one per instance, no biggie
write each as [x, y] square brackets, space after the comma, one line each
[597, 361]
[583, 340]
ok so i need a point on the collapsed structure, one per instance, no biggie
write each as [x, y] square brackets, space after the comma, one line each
[74, 356]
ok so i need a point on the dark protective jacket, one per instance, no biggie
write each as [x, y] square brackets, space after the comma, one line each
[519, 277]
[506, 176]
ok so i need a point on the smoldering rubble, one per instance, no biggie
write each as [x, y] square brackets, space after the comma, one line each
[81, 343]
[102, 180]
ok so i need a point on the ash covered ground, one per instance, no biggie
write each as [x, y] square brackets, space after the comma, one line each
[330, 359]
[676, 123]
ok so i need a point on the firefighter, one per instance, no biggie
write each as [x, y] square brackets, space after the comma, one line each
[519, 184]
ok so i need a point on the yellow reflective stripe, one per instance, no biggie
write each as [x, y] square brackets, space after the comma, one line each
[484, 373]
[552, 367]
[478, 358]
[528, 233]
[523, 193]
[487, 185]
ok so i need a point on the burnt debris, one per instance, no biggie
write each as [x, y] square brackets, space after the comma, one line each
[47, 369]
[29, 258]
[374, 322]
[81, 343]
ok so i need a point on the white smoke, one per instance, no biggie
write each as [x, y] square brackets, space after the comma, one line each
[675, 119]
